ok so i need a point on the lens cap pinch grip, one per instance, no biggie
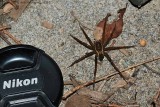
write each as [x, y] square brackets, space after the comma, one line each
[29, 78]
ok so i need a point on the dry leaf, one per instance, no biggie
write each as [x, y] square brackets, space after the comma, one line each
[99, 28]
[119, 23]
[4, 27]
[16, 13]
[98, 33]
[1, 11]
[7, 8]
[14, 3]
[128, 74]
[123, 84]
[95, 95]
[112, 30]
[119, 84]
[47, 25]
[78, 101]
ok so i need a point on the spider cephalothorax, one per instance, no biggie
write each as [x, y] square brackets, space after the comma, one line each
[99, 50]
[99, 47]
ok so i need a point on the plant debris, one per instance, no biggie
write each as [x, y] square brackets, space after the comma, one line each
[156, 100]
[112, 30]
[90, 96]
[47, 25]
[16, 12]
[78, 101]
[4, 34]
[7, 8]
[73, 90]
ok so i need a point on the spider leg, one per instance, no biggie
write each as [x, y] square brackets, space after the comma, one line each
[95, 71]
[112, 63]
[85, 34]
[117, 47]
[82, 43]
[82, 58]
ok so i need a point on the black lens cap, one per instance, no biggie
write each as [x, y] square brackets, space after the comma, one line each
[29, 78]
[139, 3]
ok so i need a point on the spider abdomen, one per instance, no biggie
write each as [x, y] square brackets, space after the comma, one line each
[101, 57]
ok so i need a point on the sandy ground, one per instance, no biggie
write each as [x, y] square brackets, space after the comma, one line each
[138, 23]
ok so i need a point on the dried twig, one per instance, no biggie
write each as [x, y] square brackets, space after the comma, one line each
[153, 70]
[68, 83]
[4, 32]
[93, 94]
[13, 3]
[4, 38]
[67, 94]
[102, 85]
[4, 28]
[2, 35]
[157, 99]
[12, 37]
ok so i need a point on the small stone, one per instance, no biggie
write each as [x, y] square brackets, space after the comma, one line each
[142, 42]
[47, 25]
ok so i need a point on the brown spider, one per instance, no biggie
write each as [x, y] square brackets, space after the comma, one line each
[98, 47]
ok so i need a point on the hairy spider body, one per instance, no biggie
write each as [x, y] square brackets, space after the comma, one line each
[99, 48]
